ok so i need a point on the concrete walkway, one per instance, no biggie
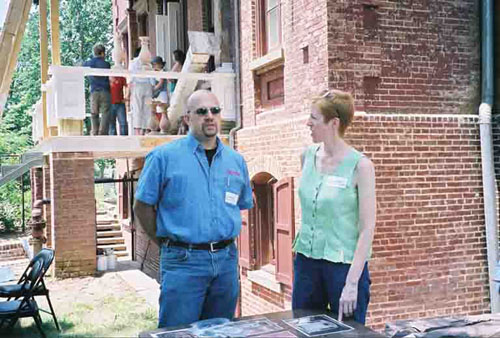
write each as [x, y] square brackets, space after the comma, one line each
[144, 285]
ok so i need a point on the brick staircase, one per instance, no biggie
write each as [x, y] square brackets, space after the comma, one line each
[110, 236]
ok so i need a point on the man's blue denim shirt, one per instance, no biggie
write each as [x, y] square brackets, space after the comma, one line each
[98, 82]
[196, 203]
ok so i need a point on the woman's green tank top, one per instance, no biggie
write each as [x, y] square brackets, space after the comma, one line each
[330, 210]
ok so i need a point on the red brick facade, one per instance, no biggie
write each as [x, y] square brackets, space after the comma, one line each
[74, 213]
[417, 57]
[414, 69]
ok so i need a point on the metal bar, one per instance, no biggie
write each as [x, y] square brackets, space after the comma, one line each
[132, 216]
[22, 201]
[114, 180]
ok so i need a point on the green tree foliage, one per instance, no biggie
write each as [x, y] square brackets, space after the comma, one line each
[83, 23]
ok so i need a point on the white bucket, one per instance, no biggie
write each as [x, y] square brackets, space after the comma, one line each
[111, 261]
[102, 263]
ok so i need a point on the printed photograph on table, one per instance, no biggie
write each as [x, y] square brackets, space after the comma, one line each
[317, 325]
[174, 334]
[244, 328]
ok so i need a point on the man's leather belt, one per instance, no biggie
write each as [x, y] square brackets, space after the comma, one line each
[214, 246]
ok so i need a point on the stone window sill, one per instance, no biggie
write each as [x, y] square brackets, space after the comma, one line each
[274, 57]
[265, 279]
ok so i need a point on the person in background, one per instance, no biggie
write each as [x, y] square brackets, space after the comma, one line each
[179, 57]
[117, 85]
[160, 90]
[188, 200]
[337, 197]
[100, 99]
[141, 92]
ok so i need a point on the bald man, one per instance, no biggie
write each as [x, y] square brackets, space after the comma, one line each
[188, 201]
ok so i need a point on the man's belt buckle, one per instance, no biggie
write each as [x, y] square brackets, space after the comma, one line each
[212, 248]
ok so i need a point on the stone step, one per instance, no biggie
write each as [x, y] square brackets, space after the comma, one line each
[11, 251]
[110, 240]
[106, 221]
[115, 247]
[122, 254]
[108, 227]
[109, 233]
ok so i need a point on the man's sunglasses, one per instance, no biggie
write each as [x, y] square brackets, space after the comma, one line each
[204, 111]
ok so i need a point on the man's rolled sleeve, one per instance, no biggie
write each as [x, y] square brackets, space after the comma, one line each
[246, 199]
[150, 181]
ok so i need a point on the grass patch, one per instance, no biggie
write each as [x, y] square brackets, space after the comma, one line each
[108, 317]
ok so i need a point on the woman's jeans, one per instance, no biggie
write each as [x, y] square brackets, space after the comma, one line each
[318, 283]
[118, 111]
[197, 284]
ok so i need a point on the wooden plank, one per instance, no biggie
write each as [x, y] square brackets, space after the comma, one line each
[104, 146]
[54, 25]
[44, 61]
[8, 34]
[18, 20]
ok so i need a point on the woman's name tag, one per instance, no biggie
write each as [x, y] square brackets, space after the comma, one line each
[336, 182]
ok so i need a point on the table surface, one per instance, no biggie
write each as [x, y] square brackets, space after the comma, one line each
[276, 317]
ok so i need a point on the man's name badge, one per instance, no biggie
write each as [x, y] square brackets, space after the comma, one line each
[231, 198]
[336, 182]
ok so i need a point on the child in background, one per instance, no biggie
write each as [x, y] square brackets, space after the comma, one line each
[160, 92]
[117, 85]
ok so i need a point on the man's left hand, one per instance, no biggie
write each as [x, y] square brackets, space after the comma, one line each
[348, 300]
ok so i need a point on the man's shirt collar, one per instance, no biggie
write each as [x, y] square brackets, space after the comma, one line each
[194, 144]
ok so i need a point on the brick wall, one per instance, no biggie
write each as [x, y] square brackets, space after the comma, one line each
[194, 15]
[414, 68]
[304, 25]
[74, 213]
[254, 302]
[430, 247]
[36, 179]
[11, 251]
[417, 56]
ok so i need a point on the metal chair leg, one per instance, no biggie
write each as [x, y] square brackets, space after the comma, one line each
[53, 313]
[38, 322]
[13, 322]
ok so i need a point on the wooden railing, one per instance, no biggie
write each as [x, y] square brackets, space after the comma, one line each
[66, 107]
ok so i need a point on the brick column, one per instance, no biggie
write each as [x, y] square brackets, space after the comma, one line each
[73, 213]
[47, 212]
[36, 175]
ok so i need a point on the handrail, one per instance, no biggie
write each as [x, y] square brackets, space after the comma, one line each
[87, 71]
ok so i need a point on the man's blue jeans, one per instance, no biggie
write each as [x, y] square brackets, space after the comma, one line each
[197, 284]
[318, 283]
[118, 111]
